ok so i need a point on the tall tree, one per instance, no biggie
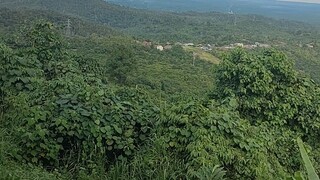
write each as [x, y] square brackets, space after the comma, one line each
[122, 62]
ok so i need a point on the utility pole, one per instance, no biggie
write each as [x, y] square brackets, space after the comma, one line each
[68, 30]
[194, 57]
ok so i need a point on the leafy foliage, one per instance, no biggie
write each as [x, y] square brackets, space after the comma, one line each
[216, 173]
[268, 92]
[61, 110]
[69, 114]
[216, 134]
[122, 63]
[268, 89]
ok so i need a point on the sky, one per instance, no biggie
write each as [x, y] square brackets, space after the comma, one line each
[304, 1]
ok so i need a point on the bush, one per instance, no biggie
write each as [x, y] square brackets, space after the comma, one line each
[61, 116]
[216, 135]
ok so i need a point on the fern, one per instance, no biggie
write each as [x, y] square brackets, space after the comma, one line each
[215, 173]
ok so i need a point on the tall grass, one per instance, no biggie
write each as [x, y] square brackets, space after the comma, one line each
[151, 162]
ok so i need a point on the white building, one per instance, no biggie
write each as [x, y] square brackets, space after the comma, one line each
[160, 48]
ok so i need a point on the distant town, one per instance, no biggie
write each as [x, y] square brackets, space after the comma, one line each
[210, 47]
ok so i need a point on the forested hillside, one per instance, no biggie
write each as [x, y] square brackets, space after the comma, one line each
[206, 26]
[291, 9]
[86, 93]
[214, 28]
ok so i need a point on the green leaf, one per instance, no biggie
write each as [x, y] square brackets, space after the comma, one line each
[117, 129]
[60, 140]
[226, 117]
[298, 176]
[97, 122]
[172, 144]
[103, 130]
[312, 175]
[62, 101]
[71, 133]
[29, 86]
[31, 121]
[128, 133]
[24, 80]
[233, 103]
[34, 160]
[42, 133]
[101, 93]
[128, 152]
[85, 113]
[142, 137]
[110, 142]
[43, 146]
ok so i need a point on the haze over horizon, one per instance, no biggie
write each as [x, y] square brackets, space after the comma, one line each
[298, 10]
[303, 1]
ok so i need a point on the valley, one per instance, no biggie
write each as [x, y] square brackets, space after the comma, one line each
[105, 90]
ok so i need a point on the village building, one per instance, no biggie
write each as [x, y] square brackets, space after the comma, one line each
[238, 45]
[189, 44]
[160, 48]
[310, 45]
[264, 46]
[147, 43]
[167, 47]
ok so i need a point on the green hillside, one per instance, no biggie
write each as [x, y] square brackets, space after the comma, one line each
[96, 99]
[214, 28]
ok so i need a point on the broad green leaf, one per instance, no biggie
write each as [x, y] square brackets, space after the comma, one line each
[233, 103]
[62, 101]
[60, 140]
[312, 175]
[117, 129]
[101, 93]
[97, 122]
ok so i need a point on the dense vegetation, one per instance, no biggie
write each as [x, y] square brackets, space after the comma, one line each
[100, 105]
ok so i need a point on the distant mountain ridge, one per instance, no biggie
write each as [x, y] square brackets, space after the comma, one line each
[300, 11]
[159, 25]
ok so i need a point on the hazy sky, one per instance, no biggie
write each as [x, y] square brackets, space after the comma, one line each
[305, 1]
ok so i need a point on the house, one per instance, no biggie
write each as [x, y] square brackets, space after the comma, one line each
[207, 47]
[249, 46]
[238, 45]
[189, 44]
[310, 45]
[225, 48]
[160, 48]
[147, 43]
[167, 47]
[262, 45]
